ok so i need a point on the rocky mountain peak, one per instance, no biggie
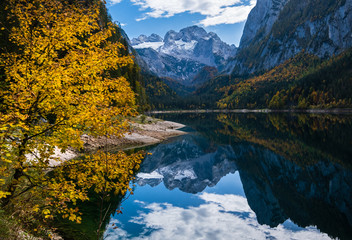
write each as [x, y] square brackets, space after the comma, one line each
[214, 36]
[155, 38]
[144, 39]
[170, 36]
[192, 33]
[182, 55]
[140, 39]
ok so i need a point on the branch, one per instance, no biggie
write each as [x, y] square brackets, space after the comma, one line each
[46, 130]
[24, 191]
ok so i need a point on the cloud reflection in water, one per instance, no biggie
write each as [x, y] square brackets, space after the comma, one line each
[219, 217]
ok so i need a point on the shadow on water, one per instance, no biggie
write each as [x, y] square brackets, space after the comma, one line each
[292, 166]
[91, 210]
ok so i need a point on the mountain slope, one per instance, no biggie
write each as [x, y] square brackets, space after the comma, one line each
[182, 55]
[277, 30]
[261, 20]
[286, 59]
[304, 81]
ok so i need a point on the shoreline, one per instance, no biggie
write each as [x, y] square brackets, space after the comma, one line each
[317, 111]
[151, 132]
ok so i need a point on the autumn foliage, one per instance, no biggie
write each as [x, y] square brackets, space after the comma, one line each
[55, 86]
[304, 81]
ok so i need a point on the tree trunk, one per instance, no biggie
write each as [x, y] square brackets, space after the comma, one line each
[12, 187]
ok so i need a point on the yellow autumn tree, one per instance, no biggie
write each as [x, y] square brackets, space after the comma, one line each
[56, 86]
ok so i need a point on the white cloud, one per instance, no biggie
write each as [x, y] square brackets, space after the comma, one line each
[220, 217]
[114, 1]
[215, 11]
[229, 15]
[114, 232]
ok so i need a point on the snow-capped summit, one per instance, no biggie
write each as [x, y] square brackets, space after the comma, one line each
[143, 38]
[182, 55]
[154, 41]
[191, 33]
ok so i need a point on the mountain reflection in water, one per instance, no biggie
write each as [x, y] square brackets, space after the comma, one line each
[244, 176]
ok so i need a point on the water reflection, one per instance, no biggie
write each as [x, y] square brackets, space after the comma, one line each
[219, 217]
[189, 163]
[253, 176]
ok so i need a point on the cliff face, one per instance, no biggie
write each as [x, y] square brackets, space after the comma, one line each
[277, 30]
[182, 55]
[261, 20]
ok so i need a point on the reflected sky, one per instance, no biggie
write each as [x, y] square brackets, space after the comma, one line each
[244, 176]
[219, 212]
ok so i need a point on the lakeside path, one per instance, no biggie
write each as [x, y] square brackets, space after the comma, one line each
[152, 131]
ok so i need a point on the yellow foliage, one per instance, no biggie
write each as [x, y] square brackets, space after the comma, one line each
[4, 194]
[46, 211]
[58, 86]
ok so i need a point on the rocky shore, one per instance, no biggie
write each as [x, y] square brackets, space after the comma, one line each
[151, 131]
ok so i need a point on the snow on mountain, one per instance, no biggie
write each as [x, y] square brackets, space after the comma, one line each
[143, 38]
[153, 45]
[182, 55]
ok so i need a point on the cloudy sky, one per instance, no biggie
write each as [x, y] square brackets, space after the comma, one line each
[224, 17]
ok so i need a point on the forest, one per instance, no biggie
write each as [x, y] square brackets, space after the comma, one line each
[302, 82]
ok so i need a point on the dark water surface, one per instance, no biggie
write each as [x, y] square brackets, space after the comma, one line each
[244, 176]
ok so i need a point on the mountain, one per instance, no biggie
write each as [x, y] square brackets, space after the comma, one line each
[261, 20]
[293, 54]
[144, 39]
[182, 55]
[277, 30]
[304, 81]
[204, 75]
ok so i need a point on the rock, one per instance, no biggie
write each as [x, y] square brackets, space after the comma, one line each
[182, 55]
[277, 30]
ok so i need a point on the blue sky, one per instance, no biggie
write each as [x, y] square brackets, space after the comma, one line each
[224, 17]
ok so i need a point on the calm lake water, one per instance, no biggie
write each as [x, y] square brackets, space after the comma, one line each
[244, 176]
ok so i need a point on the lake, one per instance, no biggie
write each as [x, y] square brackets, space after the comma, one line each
[243, 176]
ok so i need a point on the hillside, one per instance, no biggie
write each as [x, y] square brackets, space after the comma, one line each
[277, 30]
[304, 81]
